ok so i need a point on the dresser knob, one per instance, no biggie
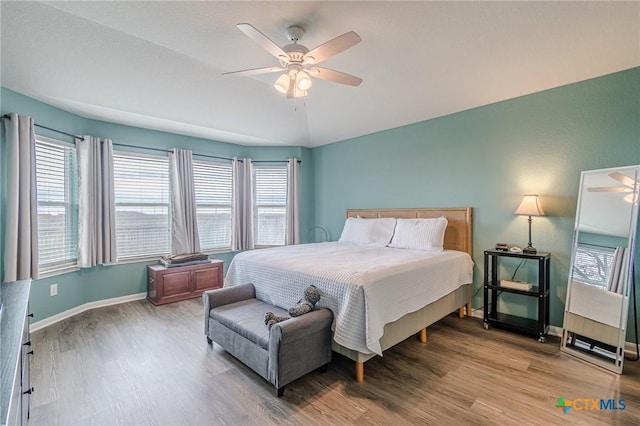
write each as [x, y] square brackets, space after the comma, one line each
[30, 315]
[30, 352]
[28, 391]
[27, 343]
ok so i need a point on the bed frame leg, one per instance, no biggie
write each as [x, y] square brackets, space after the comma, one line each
[423, 335]
[359, 372]
[462, 308]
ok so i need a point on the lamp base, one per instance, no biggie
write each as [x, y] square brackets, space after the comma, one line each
[529, 250]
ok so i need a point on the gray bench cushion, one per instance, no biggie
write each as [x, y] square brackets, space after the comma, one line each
[246, 318]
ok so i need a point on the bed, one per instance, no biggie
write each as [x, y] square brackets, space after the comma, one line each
[379, 295]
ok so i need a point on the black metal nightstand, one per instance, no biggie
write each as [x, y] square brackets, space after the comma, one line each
[492, 289]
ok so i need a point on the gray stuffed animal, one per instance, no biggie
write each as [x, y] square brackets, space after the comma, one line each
[305, 305]
[270, 318]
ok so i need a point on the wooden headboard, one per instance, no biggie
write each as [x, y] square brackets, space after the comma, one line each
[458, 233]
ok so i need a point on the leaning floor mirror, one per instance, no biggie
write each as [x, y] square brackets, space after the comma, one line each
[601, 275]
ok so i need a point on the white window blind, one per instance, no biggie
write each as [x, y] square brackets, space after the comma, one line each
[141, 187]
[270, 206]
[57, 193]
[592, 264]
[212, 183]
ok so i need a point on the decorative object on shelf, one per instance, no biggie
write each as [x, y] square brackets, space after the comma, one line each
[184, 259]
[298, 63]
[530, 206]
[601, 279]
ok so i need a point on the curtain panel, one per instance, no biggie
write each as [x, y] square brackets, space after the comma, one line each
[292, 231]
[615, 282]
[242, 204]
[21, 225]
[184, 221]
[96, 203]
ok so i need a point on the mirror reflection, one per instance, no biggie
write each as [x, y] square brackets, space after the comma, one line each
[596, 308]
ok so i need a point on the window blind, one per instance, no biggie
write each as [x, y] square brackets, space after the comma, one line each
[592, 264]
[213, 188]
[270, 195]
[141, 189]
[57, 194]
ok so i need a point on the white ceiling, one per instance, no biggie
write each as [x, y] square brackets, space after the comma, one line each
[158, 64]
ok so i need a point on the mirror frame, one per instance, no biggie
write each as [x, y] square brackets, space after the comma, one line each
[612, 361]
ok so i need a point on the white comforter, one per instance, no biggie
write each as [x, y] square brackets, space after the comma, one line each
[365, 287]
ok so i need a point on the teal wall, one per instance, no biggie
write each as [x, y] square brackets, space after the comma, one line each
[487, 158]
[105, 282]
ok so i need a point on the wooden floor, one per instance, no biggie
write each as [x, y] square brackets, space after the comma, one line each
[138, 364]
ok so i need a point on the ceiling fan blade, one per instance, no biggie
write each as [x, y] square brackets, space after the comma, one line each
[335, 76]
[609, 189]
[264, 41]
[255, 71]
[333, 47]
[622, 178]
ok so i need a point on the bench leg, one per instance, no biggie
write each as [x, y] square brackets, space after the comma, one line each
[279, 392]
[209, 341]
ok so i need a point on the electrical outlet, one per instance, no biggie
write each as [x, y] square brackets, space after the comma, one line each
[53, 290]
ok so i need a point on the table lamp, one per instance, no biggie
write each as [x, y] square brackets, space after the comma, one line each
[530, 206]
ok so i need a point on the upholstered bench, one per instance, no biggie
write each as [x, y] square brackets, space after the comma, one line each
[234, 319]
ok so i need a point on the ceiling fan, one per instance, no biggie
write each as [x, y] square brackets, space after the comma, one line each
[629, 185]
[298, 63]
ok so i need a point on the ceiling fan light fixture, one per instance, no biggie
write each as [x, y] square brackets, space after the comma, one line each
[303, 82]
[282, 83]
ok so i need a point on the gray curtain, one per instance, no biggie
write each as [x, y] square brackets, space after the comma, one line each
[21, 226]
[616, 275]
[292, 232]
[184, 229]
[242, 204]
[96, 203]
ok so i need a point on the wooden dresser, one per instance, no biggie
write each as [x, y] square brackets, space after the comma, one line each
[166, 285]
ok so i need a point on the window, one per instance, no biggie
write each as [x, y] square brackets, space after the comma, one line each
[57, 192]
[141, 187]
[212, 183]
[270, 206]
[593, 264]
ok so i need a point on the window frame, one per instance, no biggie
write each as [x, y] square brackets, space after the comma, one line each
[204, 163]
[257, 207]
[70, 204]
[150, 255]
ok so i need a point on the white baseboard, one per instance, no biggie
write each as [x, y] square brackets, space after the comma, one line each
[82, 308]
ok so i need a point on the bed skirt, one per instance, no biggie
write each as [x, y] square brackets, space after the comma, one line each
[413, 322]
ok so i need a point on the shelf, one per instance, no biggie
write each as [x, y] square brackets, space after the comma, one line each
[540, 291]
[539, 255]
[534, 292]
[515, 322]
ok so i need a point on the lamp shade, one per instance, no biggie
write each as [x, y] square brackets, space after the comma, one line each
[282, 83]
[530, 206]
[303, 82]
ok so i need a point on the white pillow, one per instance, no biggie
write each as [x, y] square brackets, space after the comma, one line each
[420, 234]
[369, 232]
